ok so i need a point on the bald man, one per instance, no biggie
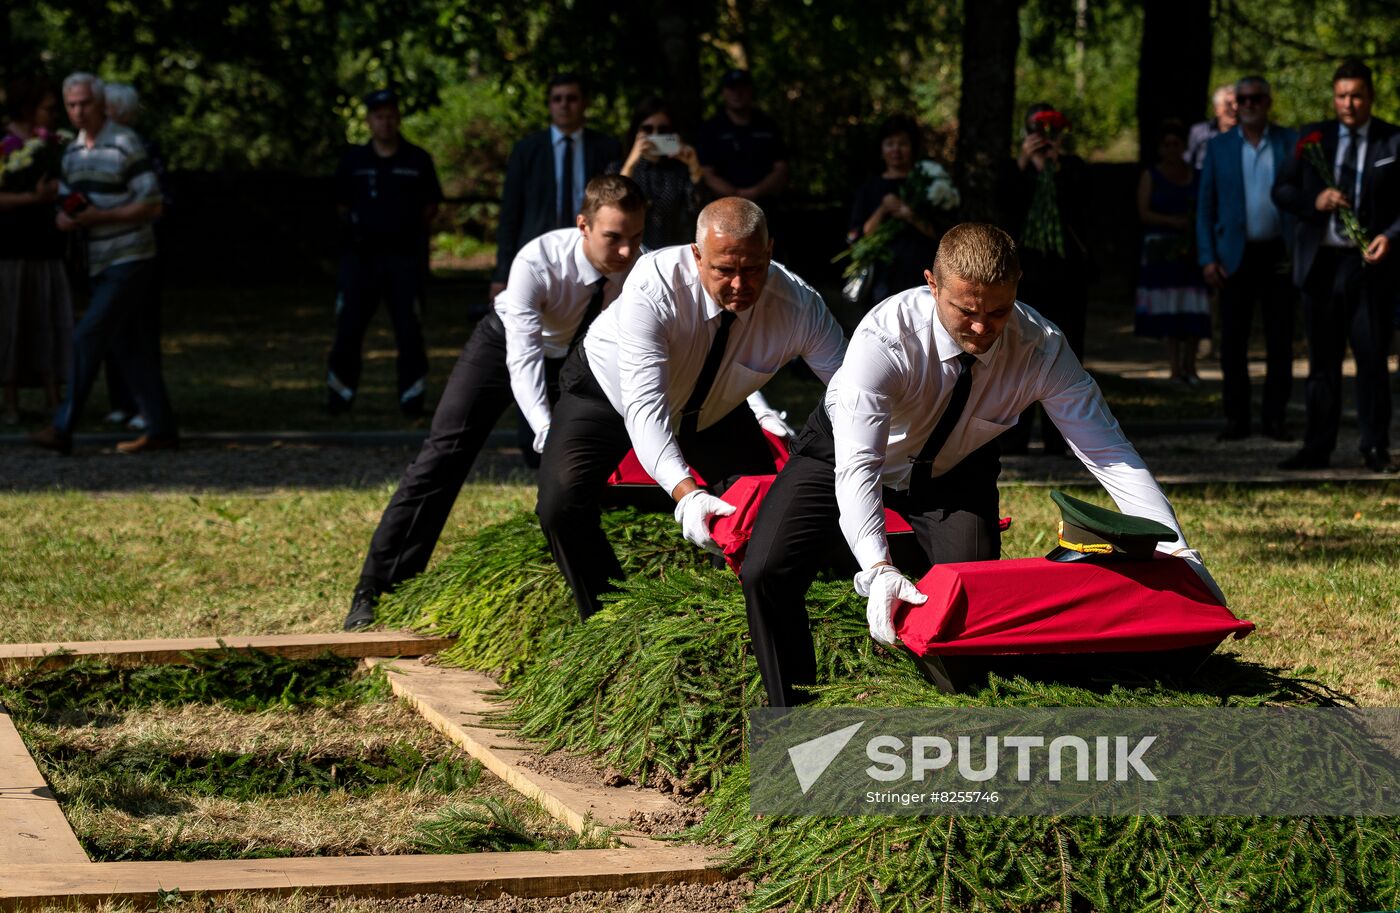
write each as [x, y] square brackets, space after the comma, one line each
[666, 371]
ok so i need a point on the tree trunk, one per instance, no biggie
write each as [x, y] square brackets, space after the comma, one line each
[680, 53]
[1174, 67]
[986, 110]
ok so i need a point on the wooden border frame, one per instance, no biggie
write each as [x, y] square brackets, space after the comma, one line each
[42, 861]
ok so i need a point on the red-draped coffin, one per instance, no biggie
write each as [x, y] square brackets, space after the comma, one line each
[1038, 606]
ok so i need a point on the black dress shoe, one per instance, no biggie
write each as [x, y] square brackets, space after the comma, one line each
[362, 608]
[1233, 432]
[52, 439]
[1306, 459]
[1378, 460]
[1278, 431]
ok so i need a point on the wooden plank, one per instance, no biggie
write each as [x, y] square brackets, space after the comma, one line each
[32, 826]
[454, 701]
[473, 875]
[355, 645]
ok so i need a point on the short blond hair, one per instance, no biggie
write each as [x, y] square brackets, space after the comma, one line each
[978, 253]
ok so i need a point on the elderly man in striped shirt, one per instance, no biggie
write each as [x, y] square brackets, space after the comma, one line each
[109, 190]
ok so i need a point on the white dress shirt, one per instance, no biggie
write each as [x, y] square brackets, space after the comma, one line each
[556, 138]
[1261, 218]
[646, 351]
[1333, 237]
[897, 379]
[551, 283]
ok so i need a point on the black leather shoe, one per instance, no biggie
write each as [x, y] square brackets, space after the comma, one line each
[1306, 459]
[1233, 432]
[52, 439]
[1378, 460]
[1278, 431]
[336, 404]
[362, 608]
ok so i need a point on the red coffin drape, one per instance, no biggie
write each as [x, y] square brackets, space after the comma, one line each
[732, 533]
[1034, 605]
[630, 471]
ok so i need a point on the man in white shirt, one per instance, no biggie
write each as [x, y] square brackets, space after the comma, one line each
[559, 283]
[697, 330]
[932, 377]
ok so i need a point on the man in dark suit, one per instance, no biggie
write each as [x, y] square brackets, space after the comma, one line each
[1348, 292]
[1242, 244]
[547, 173]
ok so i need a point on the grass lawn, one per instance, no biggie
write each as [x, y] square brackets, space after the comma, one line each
[1313, 567]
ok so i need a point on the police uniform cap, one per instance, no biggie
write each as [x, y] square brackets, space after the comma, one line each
[381, 97]
[735, 77]
[1087, 529]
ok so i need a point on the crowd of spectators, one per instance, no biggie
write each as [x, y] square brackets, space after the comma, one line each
[1219, 205]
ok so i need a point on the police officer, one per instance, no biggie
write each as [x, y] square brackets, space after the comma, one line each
[388, 192]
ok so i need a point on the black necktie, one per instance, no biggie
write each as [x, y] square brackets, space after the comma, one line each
[922, 475]
[595, 307]
[690, 413]
[1346, 176]
[566, 184]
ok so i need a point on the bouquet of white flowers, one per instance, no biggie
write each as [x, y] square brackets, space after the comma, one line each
[23, 163]
[928, 190]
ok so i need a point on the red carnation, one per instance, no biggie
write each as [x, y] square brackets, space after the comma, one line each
[1049, 122]
[1313, 138]
[74, 203]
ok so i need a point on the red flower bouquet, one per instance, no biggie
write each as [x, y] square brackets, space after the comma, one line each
[1310, 147]
[1044, 231]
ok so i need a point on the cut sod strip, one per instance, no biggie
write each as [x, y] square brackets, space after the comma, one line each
[244, 756]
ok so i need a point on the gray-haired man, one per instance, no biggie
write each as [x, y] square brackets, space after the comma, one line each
[667, 370]
[110, 191]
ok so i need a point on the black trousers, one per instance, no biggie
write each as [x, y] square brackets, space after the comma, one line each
[586, 442]
[797, 532]
[365, 280]
[1346, 303]
[1262, 278]
[477, 393]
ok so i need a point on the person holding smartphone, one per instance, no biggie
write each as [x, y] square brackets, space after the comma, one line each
[668, 171]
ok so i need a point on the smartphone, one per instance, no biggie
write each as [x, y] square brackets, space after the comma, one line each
[666, 143]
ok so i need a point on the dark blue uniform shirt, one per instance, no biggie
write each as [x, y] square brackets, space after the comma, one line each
[386, 197]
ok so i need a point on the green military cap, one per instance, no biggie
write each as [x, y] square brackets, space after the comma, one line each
[1088, 530]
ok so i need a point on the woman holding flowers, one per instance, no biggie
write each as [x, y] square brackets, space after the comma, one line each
[899, 215]
[36, 308]
[1171, 297]
[1045, 205]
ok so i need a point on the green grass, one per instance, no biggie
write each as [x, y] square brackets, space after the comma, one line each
[114, 567]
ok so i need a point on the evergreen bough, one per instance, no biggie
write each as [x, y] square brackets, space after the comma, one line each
[499, 592]
[657, 685]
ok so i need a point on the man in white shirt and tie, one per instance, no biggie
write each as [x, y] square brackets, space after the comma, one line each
[932, 377]
[559, 283]
[667, 371]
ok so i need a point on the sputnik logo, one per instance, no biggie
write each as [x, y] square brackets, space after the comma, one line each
[811, 759]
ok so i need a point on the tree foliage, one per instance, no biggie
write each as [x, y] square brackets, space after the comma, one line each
[275, 84]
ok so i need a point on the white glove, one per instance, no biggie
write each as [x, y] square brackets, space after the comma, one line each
[773, 423]
[693, 513]
[540, 438]
[886, 588]
[1198, 564]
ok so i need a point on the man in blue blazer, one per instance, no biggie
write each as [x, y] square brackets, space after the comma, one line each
[547, 172]
[1348, 292]
[1242, 241]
